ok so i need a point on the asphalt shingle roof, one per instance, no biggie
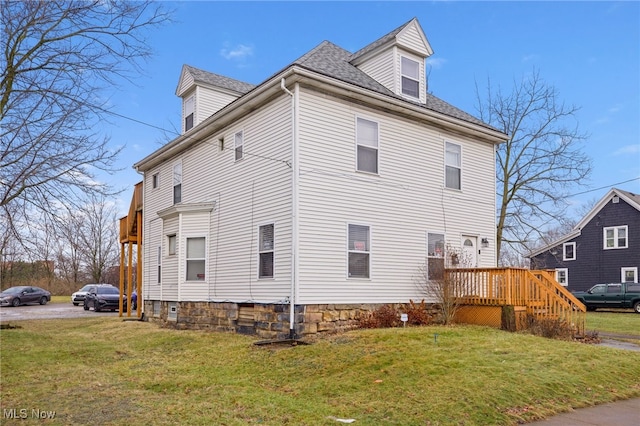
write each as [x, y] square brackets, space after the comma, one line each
[219, 80]
[333, 61]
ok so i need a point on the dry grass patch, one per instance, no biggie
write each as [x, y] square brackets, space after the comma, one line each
[106, 371]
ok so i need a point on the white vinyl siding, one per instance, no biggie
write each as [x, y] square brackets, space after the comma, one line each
[367, 145]
[243, 198]
[211, 101]
[399, 204]
[381, 68]
[411, 39]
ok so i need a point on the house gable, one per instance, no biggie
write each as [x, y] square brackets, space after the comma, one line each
[615, 217]
[397, 60]
[204, 93]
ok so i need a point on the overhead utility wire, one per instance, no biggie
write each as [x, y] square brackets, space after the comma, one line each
[188, 136]
[604, 187]
[288, 164]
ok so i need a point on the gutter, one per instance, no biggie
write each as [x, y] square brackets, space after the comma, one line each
[258, 95]
[295, 168]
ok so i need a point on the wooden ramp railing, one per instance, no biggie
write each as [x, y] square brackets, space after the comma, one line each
[537, 291]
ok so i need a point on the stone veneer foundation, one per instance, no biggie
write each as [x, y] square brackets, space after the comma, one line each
[268, 321]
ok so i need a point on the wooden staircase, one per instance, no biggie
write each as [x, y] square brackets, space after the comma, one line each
[532, 293]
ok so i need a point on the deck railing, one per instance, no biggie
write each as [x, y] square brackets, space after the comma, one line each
[538, 291]
[128, 224]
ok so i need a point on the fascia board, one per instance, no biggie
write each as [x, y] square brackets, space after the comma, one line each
[562, 240]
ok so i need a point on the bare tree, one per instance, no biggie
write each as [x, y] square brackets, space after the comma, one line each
[540, 162]
[58, 60]
[99, 238]
[446, 289]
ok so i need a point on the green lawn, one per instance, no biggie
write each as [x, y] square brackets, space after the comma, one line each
[614, 321]
[108, 371]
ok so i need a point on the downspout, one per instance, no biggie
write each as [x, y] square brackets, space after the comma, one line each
[294, 208]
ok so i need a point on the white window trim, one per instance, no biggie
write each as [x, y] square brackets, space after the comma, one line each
[359, 223]
[447, 165]
[377, 147]
[175, 249]
[564, 251]
[273, 250]
[418, 80]
[189, 101]
[186, 259]
[155, 180]
[176, 182]
[444, 249]
[159, 266]
[566, 276]
[615, 237]
[633, 269]
[236, 145]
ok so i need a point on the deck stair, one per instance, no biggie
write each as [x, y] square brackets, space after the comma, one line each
[533, 293]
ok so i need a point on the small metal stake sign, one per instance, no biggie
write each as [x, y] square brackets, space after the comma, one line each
[404, 318]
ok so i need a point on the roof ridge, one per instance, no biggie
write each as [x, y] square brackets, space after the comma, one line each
[382, 40]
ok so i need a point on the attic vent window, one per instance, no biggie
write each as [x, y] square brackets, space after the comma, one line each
[615, 199]
[410, 71]
[189, 108]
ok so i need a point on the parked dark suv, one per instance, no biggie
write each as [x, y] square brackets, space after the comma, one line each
[103, 298]
[78, 297]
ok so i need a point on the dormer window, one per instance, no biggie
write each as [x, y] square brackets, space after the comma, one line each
[189, 108]
[410, 71]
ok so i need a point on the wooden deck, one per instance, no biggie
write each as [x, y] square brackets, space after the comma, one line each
[130, 239]
[533, 293]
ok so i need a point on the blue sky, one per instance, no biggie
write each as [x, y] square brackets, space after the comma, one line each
[590, 51]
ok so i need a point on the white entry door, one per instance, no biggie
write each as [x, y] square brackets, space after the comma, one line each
[469, 251]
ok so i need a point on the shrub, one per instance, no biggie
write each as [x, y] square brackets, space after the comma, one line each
[383, 317]
[553, 328]
[417, 313]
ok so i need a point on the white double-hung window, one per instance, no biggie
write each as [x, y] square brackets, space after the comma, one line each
[366, 145]
[453, 166]
[410, 75]
[189, 110]
[239, 144]
[435, 256]
[359, 251]
[266, 251]
[195, 259]
[615, 237]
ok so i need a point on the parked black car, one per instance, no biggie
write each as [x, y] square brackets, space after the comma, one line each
[102, 298]
[21, 295]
